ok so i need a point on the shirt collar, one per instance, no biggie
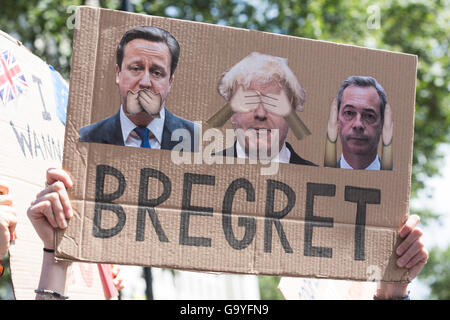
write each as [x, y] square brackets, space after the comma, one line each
[283, 156]
[375, 165]
[156, 126]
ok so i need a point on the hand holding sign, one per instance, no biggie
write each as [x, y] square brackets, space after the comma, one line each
[411, 254]
[52, 207]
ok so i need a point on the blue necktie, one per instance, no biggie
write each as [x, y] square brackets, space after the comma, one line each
[143, 134]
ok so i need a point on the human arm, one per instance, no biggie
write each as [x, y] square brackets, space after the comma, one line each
[411, 255]
[50, 210]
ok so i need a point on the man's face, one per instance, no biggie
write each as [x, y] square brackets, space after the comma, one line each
[145, 65]
[360, 124]
[262, 122]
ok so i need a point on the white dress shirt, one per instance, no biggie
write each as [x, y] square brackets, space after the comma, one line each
[131, 138]
[375, 165]
[283, 156]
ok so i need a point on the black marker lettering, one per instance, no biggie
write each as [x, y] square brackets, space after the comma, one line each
[274, 217]
[248, 223]
[149, 205]
[187, 210]
[361, 196]
[311, 221]
[104, 202]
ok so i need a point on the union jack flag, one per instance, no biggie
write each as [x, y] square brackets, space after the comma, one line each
[12, 80]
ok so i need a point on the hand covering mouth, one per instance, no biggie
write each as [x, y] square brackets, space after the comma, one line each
[143, 100]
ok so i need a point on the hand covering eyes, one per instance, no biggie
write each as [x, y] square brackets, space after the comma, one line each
[244, 101]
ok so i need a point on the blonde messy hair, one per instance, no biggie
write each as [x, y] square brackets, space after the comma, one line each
[263, 68]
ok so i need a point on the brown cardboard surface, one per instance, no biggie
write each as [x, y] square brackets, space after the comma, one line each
[32, 141]
[193, 237]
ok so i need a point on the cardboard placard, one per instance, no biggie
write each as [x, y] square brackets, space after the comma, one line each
[33, 101]
[190, 211]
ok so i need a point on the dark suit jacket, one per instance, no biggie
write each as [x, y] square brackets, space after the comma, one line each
[294, 159]
[109, 131]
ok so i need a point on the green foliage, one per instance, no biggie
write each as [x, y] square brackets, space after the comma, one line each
[426, 215]
[268, 288]
[437, 273]
[422, 28]
[417, 27]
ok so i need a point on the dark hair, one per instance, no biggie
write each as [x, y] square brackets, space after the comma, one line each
[154, 34]
[363, 81]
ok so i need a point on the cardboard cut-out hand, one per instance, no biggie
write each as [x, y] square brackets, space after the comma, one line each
[281, 105]
[143, 100]
[244, 101]
[387, 156]
[248, 100]
[330, 159]
[241, 101]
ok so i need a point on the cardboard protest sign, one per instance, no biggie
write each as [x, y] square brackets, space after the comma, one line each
[213, 210]
[32, 117]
